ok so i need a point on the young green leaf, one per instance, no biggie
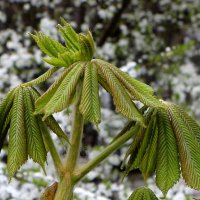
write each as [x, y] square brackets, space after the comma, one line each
[57, 62]
[167, 168]
[36, 148]
[17, 147]
[87, 46]
[48, 45]
[143, 193]
[188, 146]
[70, 36]
[121, 99]
[90, 103]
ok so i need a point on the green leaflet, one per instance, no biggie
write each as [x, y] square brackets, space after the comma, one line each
[143, 193]
[44, 99]
[55, 62]
[70, 36]
[65, 91]
[167, 168]
[90, 103]
[36, 148]
[17, 147]
[48, 45]
[121, 99]
[5, 107]
[144, 144]
[138, 90]
[87, 46]
[137, 84]
[54, 126]
[148, 163]
[188, 146]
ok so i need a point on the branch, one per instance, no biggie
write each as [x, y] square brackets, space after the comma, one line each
[113, 146]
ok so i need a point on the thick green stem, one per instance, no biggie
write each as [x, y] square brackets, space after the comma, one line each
[116, 144]
[65, 187]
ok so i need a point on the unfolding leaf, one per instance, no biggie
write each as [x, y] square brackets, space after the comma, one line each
[167, 168]
[90, 104]
[121, 99]
[143, 193]
[48, 45]
[86, 46]
[70, 36]
[188, 146]
[54, 126]
[17, 148]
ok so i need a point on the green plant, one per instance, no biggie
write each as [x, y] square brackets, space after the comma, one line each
[165, 139]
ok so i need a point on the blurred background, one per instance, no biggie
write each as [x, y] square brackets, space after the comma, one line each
[155, 41]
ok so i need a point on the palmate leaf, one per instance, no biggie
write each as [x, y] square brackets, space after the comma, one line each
[86, 46]
[65, 91]
[44, 99]
[90, 103]
[121, 99]
[138, 90]
[188, 146]
[143, 193]
[36, 148]
[167, 168]
[17, 147]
